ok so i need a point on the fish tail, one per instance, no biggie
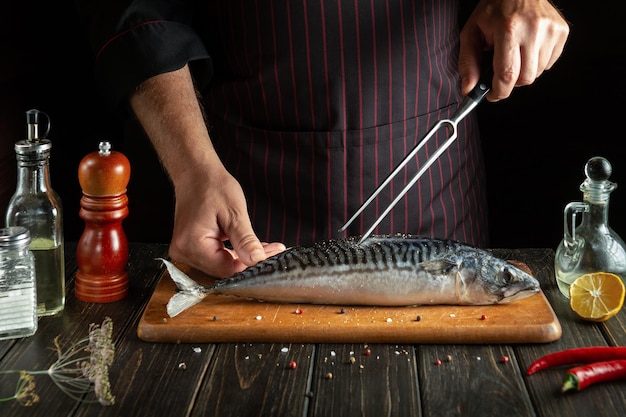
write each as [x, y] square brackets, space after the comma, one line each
[191, 293]
[181, 302]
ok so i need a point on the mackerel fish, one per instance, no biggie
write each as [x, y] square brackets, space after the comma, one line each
[389, 270]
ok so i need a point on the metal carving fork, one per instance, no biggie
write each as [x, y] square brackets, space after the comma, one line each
[467, 105]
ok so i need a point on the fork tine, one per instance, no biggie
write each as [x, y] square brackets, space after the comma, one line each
[417, 175]
[467, 105]
[395, 172]
[390, 177]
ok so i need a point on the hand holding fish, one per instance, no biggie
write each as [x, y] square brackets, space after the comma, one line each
[208, 215]
[210, 204]
[527, 38]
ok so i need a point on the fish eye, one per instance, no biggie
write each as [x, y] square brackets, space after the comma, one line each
[508, 277]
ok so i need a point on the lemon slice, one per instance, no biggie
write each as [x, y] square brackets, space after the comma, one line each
[597, 296]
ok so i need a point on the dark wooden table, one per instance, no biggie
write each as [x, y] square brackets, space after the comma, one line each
[254, 379]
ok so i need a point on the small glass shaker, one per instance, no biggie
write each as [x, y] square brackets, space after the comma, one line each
[18, 289]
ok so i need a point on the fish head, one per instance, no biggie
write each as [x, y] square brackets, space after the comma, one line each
[490, 280]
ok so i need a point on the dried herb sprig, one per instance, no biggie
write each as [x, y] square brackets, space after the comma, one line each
[79, 370]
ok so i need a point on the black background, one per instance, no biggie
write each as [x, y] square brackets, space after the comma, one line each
[536, 142]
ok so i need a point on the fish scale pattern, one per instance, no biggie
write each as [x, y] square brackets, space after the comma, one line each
[376, 253]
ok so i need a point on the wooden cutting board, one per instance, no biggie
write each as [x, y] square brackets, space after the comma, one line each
[231, 319]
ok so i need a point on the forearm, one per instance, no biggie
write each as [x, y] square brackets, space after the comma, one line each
[168, 109]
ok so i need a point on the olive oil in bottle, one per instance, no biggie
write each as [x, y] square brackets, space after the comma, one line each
[37, 207]
[49, 262]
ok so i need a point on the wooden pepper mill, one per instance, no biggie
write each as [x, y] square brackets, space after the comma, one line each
[102, 251]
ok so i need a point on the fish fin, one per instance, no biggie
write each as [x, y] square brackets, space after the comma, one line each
[180, 302]
[183, 282]
[438, 266]
[191, 292]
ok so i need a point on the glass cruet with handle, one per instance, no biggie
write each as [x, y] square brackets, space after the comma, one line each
[591, 246]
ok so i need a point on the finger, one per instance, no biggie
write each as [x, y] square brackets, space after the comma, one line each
[207, 255]
[245, 242]
[506, 68]
[530, 66]
[270, 249]
[561, 33]
[247, 246]
[556, 52]
[469, 62]
[273, 248]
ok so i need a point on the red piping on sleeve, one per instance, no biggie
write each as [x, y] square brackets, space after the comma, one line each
[123, 33]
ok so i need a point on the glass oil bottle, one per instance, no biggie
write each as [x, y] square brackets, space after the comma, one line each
[36, 206]
[591, 246]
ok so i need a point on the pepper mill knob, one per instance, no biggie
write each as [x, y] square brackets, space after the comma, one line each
[104, 173]
[102, 250]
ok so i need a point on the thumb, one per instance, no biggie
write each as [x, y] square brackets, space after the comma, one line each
[245, 243]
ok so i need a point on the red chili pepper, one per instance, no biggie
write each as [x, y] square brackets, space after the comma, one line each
[581, 377]
[577, 355]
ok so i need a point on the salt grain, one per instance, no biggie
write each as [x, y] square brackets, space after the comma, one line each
[284, 350]
[197, 349]
[259, 317]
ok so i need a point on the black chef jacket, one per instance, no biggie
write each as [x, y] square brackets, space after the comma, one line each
[310, 104]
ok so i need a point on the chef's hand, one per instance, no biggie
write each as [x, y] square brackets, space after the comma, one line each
[210, 205]
[527, 37]
[210, 209]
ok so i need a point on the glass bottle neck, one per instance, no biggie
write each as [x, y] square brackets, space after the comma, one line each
[598, 214]
[33, 176]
